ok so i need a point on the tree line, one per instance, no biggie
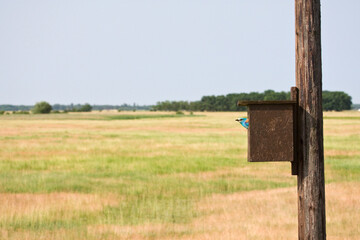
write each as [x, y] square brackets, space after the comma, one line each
[76, 107]
[332, 100]
[123, 107]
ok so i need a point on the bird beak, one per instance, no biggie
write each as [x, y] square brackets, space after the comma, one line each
[238, 120]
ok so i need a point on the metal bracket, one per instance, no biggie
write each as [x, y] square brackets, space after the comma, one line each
[295, 163]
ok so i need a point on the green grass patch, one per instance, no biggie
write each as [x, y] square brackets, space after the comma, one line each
[342, 117]
[147, 116]
[343, 168]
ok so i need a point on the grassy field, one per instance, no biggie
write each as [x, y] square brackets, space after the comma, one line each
[161, 176]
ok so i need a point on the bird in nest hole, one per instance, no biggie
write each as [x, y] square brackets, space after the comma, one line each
[243, 121]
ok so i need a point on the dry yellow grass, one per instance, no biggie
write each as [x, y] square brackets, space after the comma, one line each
[259, 214]
[27, 204]
[268, 215]
[48, 207]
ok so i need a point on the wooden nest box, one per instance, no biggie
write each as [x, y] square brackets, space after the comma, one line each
[272, 130]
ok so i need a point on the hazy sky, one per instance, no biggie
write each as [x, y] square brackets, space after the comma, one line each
[142, 51]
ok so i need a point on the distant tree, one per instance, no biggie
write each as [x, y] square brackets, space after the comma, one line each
[85, 108]
[337, 101]
[271, 95]
[41, 107]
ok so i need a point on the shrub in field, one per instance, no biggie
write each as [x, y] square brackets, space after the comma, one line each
[42, 107]
[21, 112]
[57, 111]
[2, 112]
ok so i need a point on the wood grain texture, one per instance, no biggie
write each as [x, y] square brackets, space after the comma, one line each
[311, 190]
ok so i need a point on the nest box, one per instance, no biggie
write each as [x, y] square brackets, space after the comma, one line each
[272, 130]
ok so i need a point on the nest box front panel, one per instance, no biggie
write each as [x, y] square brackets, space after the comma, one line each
[271, 133]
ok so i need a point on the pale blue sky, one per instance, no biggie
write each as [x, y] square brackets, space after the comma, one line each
[142, 51]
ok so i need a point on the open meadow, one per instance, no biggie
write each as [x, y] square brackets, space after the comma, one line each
[151, 175]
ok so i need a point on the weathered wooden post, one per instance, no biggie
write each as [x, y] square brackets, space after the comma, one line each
[293, 130]
[311, 186]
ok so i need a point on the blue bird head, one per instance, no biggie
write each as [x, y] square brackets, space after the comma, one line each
[243, 121]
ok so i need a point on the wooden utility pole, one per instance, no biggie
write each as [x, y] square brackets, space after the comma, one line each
[311, 186]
